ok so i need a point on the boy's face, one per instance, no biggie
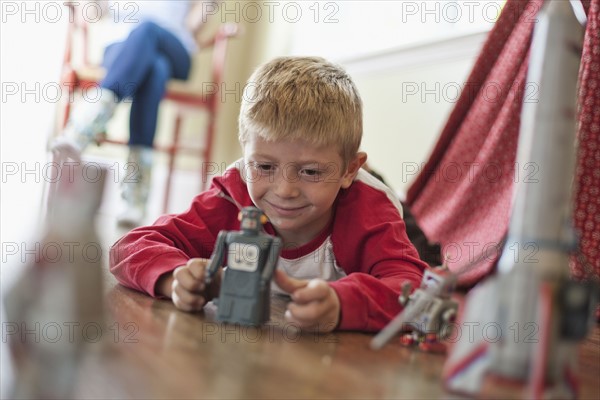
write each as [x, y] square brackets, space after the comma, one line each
[295, 184]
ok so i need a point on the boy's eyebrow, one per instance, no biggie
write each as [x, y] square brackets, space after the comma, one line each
[297, 162]
[263, 156]
[312, 163]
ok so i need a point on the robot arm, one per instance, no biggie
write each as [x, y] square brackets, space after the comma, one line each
[405, 295]
[217, 258]
[272, 259]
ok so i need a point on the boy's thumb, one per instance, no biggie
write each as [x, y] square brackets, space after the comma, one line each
[287, 283]
[197, 267]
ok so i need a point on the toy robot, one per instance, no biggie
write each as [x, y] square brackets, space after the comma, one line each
[427, 312]
[252, 255]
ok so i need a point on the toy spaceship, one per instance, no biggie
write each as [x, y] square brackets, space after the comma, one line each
[427, 313]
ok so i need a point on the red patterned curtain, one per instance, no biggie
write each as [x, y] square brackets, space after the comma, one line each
[587, 178]
[462, 196]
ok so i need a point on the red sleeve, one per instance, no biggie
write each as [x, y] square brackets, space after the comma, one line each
[371, 245]
[140, 257]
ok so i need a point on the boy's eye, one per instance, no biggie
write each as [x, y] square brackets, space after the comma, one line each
[311, 174]
[262, 167]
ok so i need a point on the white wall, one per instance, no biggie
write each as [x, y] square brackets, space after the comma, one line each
[408, 95]
[31, 55]
[30, 52]
[408, 89]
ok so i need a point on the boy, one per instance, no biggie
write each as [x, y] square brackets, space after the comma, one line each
[345, 250]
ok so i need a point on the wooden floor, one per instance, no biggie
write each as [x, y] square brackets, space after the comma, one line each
[181, 355]
[589, 365]
[160, 352]
[150, 350]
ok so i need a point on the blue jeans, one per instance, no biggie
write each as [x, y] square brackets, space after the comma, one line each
[139, 68]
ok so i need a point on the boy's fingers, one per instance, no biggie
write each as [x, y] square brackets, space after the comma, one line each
[309, 312]
[322, 323]
[314, 301]
[315, 290]
[197, 266]
[183, 277]
[309, 325]
[315, 307]
[288, 284]
[186, 300]
[185, 306]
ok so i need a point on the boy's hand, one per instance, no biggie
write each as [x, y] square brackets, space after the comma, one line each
[315, 305]
[189, 292]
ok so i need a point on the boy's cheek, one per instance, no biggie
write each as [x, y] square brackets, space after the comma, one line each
[256, 190]
[254, 194]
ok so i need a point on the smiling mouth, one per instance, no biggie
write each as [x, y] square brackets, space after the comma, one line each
[285, 210]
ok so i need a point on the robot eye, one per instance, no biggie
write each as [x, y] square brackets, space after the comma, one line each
[263, 219]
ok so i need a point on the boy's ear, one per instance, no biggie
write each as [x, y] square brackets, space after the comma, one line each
[353, 168]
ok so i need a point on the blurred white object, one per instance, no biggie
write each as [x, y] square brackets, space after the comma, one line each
[57, 304]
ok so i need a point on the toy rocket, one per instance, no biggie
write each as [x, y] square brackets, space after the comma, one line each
[518, 330]
[56, 306]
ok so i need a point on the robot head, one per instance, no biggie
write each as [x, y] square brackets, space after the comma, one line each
[252, 219]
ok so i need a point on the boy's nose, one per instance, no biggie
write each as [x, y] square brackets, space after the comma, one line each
[285, 187]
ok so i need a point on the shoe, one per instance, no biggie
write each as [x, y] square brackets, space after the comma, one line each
[63, 148]
[132, 216]
[135, 188]
[87, 124]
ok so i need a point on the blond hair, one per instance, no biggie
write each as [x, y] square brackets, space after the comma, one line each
[305, 98]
